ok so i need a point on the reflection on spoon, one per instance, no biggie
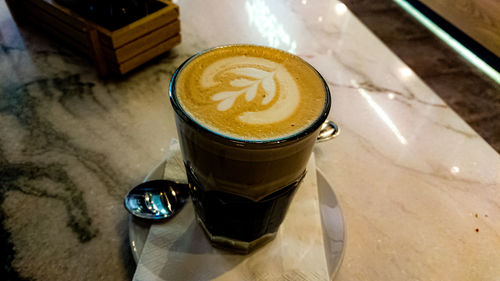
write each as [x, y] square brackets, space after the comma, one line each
[157, 199]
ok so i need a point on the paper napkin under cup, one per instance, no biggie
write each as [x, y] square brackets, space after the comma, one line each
[179, 250]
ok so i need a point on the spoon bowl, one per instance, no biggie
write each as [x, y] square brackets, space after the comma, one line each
[156, 199]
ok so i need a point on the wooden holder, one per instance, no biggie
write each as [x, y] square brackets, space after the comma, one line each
[114, 52]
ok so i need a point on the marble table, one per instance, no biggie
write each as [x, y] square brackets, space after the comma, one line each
[419, 188]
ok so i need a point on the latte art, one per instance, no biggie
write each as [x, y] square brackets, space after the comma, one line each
[251, 92]
[251, 79]
[263, 78]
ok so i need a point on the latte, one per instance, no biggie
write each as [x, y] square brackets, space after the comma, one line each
[273, 103]
[251, 92]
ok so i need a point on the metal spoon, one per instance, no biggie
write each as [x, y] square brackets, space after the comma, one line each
[157, 199]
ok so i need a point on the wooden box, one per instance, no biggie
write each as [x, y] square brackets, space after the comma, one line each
[114, 52]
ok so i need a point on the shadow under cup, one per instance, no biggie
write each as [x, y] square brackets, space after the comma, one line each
[241, 189]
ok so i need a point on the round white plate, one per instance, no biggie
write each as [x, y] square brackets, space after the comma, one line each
[331, 218]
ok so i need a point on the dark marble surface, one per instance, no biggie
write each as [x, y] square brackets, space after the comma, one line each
[468, 91]
[70, 149]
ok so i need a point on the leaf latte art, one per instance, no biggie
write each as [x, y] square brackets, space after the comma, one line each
[251, 78]
[250, 92]
[261, 77]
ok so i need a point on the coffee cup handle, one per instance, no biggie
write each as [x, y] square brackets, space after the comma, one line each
[328, 131]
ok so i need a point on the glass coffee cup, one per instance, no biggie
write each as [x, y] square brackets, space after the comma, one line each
[247, 118]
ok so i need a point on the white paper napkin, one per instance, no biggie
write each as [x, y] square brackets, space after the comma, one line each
[179, 250]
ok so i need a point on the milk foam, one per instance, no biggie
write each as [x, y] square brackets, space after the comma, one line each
[249, 77]
[251, 92]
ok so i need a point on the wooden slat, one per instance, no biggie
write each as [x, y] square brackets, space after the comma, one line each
[29, 15]
[60, 12]
[141, 27]
[63, 28]
[55, 33]
[97, 55]
[479, 19]
[149, 54]
[141, 44]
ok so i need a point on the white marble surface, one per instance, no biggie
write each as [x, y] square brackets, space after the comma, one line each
[419, 188]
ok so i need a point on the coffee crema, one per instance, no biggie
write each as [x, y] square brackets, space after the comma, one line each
[251, 92]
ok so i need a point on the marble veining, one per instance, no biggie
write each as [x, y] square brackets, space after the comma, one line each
[474, 96]
[418, 186]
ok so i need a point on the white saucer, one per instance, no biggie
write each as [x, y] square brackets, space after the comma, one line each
[331, 218]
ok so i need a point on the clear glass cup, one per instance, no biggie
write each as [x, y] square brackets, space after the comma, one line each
[221, 168]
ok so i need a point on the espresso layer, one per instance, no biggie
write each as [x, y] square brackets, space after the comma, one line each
[251, 92]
